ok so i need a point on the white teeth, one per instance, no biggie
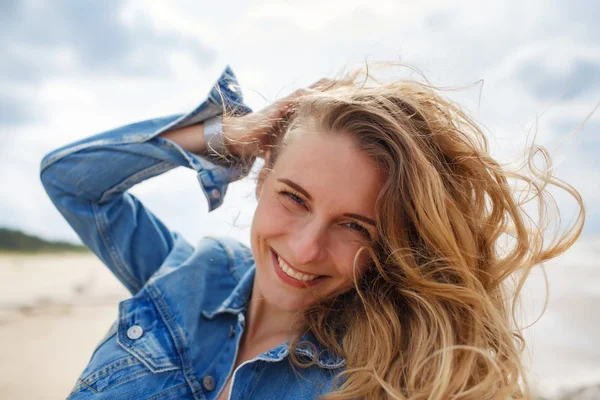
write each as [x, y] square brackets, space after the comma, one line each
[294, 274]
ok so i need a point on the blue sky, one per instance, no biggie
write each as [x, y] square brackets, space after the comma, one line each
[71, 68]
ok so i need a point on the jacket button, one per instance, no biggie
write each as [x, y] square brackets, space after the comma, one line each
[209, 383]
[215, 193]
[135, 332]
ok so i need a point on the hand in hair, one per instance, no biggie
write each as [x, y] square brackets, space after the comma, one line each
[253, 134]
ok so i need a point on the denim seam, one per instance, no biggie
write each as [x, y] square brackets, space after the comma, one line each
[194, 161]
[46, 162]
[135, 178]
[144, 355]
[127, 346]
[102, 224]
[82, 384]
[119, 382]
[130, 360]
[262, 371]
[147, 356]
[178, 339]
[107, 369]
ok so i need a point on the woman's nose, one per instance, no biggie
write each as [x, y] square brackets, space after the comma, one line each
[307, 243]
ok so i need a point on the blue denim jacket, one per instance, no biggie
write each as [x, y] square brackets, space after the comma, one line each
[178, 336]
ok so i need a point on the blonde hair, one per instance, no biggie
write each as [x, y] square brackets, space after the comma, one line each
[433, 316]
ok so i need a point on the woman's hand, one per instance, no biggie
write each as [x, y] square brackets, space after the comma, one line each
[251, 134]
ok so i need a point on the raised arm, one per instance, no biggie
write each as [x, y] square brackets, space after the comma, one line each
[88, 182]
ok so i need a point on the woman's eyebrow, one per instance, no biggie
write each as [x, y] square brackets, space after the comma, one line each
[297, 187]
[305, 194]
[361, 218]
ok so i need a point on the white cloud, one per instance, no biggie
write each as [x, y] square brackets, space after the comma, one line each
[276, 47]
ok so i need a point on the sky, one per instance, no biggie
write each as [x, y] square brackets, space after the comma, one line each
[73, 68]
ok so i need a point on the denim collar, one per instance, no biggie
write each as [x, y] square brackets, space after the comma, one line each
[236, 303]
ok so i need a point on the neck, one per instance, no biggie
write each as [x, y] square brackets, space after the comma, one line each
[265, 322]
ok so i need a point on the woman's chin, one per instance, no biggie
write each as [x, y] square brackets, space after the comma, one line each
[277, 295]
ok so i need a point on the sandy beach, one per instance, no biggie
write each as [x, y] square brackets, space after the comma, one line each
[54, 309]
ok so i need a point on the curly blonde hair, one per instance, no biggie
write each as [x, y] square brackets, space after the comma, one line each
[434, 315]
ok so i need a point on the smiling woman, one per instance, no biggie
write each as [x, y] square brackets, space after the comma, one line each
[375, 269]
[311, 215]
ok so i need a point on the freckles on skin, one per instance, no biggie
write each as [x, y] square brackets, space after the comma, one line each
[310, 228]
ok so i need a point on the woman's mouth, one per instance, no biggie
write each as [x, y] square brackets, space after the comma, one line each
[292, 276]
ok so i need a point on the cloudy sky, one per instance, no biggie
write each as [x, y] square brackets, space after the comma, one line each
[72, 68]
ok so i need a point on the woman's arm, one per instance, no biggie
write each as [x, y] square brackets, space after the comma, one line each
[88, 182]
[190, 138]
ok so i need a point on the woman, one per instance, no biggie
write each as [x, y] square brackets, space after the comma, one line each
[375, 270]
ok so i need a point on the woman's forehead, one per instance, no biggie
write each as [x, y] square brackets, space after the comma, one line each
[331, 168]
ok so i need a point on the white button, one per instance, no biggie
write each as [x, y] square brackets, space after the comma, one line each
[135, 332]
[233, 88]
[215, 193]
[209, 383]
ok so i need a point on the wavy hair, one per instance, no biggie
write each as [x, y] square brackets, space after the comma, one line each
[433, 317]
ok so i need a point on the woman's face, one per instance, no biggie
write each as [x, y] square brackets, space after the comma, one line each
[315, 210]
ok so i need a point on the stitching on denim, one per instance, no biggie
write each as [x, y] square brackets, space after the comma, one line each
[262, 371]
[83, 384]
[78, 386]
[107, 369]
[162, 365]
[57, 156]
[127, 379]
[167, 320]
[145, 356]
[177, 337]
[157, 396]
[192, 159]
[121, 333]
[124, 139]
[135, 178]
[127, 346]
[102, 224]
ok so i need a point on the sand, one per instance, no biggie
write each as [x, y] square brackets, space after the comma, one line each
[54, 309]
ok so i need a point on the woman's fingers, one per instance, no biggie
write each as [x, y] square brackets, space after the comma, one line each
[260, 129]
[278, 109]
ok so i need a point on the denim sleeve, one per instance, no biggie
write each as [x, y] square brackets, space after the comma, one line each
[88, 181]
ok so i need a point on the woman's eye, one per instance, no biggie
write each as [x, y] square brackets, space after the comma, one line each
[352, 225]
[359, 228]
[293, 197]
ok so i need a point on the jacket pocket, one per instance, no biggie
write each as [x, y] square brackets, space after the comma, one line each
[136, 348]
[111, 375]
[144, 334]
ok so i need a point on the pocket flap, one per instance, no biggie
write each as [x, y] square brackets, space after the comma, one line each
[143, 333]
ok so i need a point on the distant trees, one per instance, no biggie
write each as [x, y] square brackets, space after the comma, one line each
[17, 241]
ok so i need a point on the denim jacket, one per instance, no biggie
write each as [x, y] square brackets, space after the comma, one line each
[178, 336]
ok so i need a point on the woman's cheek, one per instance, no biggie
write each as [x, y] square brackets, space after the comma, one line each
[348, 261]
[273, 216]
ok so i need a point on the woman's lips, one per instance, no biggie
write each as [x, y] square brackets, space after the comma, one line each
[288, 279]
